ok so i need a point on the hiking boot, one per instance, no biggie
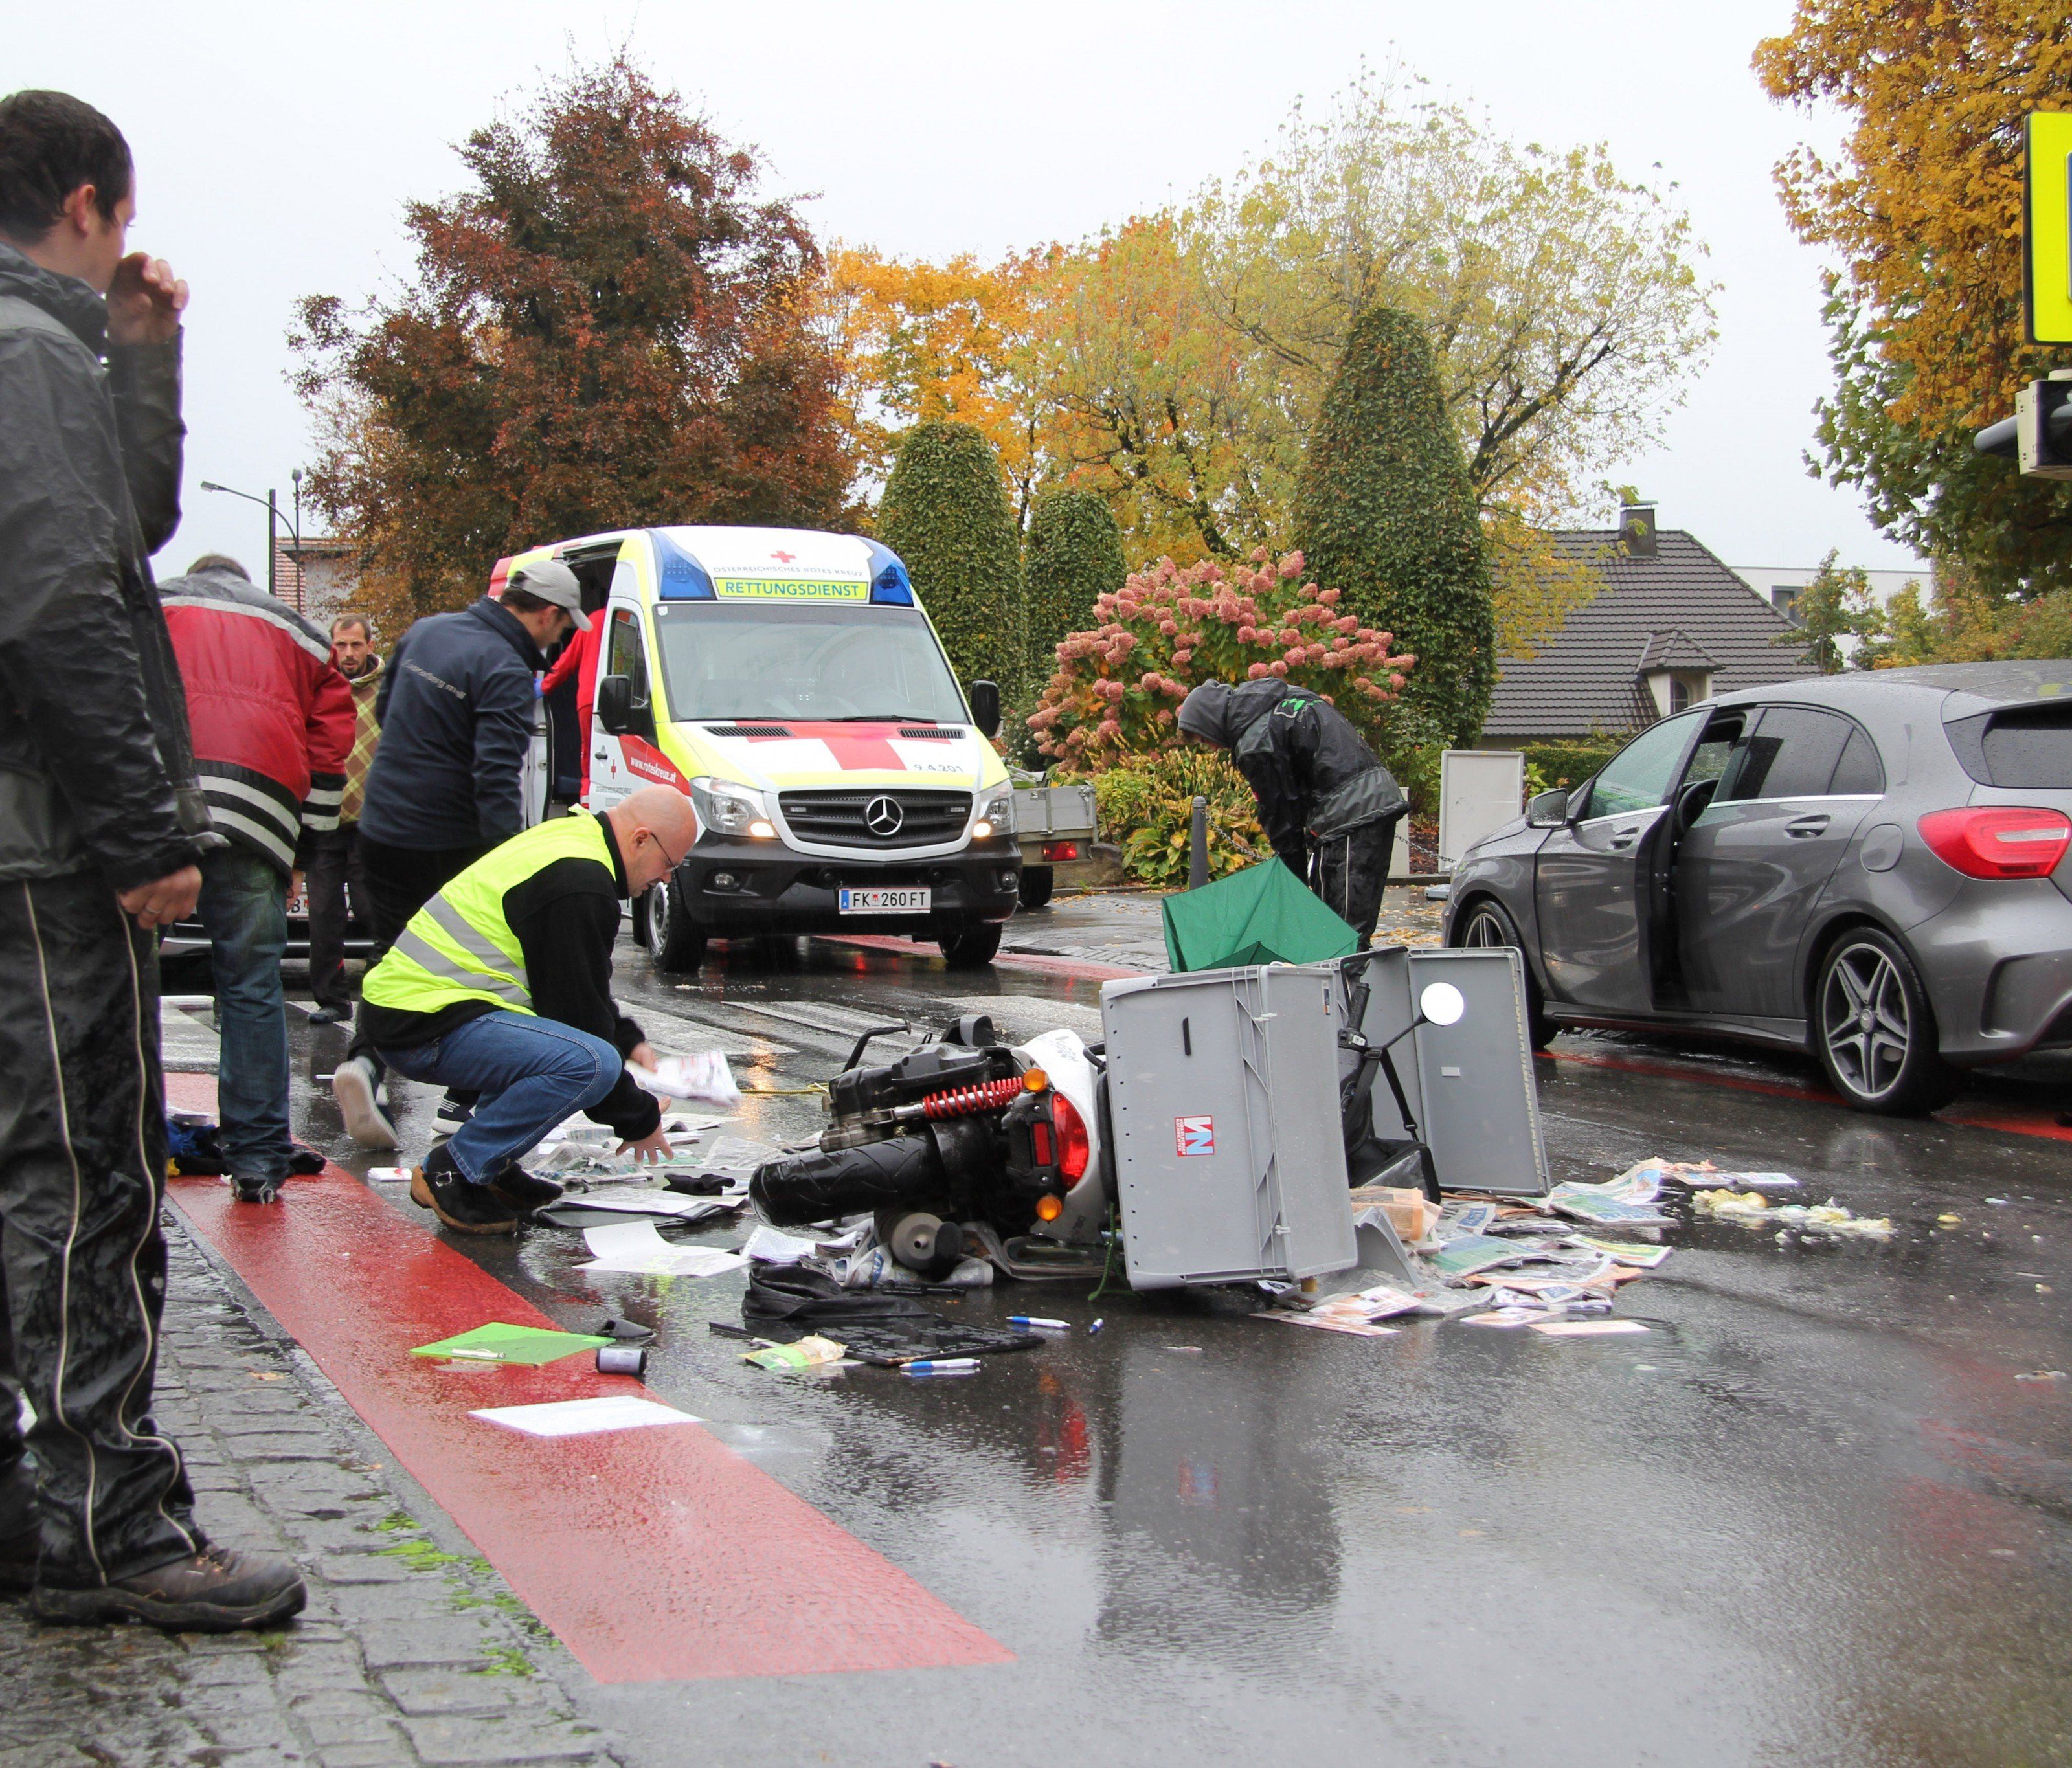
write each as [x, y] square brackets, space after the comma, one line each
[216, 1591]
[20, 1553]
[467, 1209]
[352, 1084]
[253, 1188]
[523, 1193]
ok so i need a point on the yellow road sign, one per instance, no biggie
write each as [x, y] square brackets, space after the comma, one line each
[2046, 228]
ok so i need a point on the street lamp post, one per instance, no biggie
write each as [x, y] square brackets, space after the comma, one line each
[272, 502]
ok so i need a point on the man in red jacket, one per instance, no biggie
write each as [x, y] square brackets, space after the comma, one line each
[273, 722]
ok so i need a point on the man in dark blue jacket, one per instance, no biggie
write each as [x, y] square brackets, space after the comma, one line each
[457, 708]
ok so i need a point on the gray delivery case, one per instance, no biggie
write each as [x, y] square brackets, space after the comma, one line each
[1470, 1084]
[1229, 1161]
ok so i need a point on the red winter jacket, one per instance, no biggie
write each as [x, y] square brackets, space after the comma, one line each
[578, 658]
[273, 720]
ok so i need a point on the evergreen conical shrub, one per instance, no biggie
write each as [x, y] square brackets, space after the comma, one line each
[1073, 553]
[945, 513]
[1383, 513]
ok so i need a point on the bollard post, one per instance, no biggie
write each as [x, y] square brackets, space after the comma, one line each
[1198, 844]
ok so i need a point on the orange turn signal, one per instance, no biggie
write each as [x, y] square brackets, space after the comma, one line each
[1035, 1080]
[1049, 1209]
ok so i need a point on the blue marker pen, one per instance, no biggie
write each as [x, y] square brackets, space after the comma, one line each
[941, 1365]
[1036, 1319]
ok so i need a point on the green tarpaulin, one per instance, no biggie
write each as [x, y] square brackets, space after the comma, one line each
[1264, 915]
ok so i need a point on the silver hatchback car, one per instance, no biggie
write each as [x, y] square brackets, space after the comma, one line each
[1875, 867]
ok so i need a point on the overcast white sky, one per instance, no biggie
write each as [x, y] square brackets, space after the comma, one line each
[276, 146]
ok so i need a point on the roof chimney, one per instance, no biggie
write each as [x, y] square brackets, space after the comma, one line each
[1637, 530]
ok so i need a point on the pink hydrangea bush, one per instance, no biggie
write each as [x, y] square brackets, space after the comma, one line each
[1166, 630]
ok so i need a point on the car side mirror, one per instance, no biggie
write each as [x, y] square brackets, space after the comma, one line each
[615, 703]
[984, 707]
[1543, 810]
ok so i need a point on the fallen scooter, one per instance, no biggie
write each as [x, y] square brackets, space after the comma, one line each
[963, 1130]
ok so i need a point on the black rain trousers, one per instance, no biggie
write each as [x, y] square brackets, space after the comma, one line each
[1350, 871]
[82, 1257]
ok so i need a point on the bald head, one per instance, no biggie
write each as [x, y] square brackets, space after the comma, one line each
[654, 828]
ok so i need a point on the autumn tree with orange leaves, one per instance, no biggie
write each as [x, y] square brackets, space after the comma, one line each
[1923, 207]
[608, 328]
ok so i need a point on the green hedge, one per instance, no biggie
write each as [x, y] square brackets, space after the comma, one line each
[1073, 553]
[1384, 513]
[1563, 764]
[945, 513]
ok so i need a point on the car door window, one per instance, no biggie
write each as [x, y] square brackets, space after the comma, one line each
[1792, 754]
[1858, 773]
[627, 657]
[1638, 776]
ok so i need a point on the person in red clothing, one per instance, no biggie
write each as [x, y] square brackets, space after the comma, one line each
[273, 721]
[578, 658]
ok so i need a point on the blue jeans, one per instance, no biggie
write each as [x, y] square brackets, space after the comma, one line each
[244, 908]
[530, 1073]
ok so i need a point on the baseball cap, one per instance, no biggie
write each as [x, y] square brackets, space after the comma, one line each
[551, 580]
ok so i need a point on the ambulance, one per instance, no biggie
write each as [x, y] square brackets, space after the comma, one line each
[790, 683]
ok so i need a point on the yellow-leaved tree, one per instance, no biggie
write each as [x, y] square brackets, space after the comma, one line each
[1923, 208]
[1175, 364]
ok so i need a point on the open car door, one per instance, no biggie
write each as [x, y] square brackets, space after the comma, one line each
[1601, 884]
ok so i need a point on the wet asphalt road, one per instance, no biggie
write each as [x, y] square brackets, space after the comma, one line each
[1812, 1516]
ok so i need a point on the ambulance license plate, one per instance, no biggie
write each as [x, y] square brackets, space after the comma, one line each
[903, 900]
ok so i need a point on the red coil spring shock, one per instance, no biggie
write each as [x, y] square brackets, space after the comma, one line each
[968, 1101]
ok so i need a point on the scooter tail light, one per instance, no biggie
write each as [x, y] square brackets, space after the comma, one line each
[1074, 1149]
[1998, 840]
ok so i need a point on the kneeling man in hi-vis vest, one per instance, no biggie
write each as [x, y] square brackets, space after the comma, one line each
[501, 985]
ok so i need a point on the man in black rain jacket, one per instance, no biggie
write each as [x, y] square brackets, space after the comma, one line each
[1327, 803]
[101, 825]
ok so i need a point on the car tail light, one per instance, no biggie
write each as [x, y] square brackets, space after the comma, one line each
[1998, 840]
[1055, 852]
[1074, 1149]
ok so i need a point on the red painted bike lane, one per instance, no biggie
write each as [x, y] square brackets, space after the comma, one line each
[648, 1551]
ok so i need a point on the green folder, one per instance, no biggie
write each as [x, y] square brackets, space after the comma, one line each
[530, 1344]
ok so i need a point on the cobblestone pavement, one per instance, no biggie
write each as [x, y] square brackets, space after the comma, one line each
[411, 1651]
[1126, 927]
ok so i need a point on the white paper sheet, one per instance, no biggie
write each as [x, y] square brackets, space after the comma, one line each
[585, 1417]
[637, 1249]
[772, 1247]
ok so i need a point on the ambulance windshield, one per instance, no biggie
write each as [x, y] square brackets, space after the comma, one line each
[729, 661]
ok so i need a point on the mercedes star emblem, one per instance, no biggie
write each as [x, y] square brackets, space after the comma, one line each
[882, 817]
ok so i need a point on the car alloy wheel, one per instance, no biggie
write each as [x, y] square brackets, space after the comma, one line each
[1486, 928]
[1875, 1030]
[1864, 1020]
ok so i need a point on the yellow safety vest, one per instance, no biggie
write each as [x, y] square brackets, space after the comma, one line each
[458, 947]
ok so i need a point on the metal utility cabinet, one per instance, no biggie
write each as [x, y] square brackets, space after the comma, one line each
[1229, 1159]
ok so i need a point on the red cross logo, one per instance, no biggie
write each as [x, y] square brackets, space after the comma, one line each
[855, 747]
[783, 558]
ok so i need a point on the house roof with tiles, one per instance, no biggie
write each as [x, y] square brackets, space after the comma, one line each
[1672, 606]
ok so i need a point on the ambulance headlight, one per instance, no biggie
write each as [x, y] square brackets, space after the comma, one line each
[729, 809]
[997, 818]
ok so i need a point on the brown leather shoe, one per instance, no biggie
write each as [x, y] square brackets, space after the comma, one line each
[216, 1591]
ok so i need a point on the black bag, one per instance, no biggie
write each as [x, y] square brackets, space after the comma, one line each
[875, 1326]
[794, 1295]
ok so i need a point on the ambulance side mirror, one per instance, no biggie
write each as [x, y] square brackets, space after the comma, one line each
[984, 707]
[615, 703]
